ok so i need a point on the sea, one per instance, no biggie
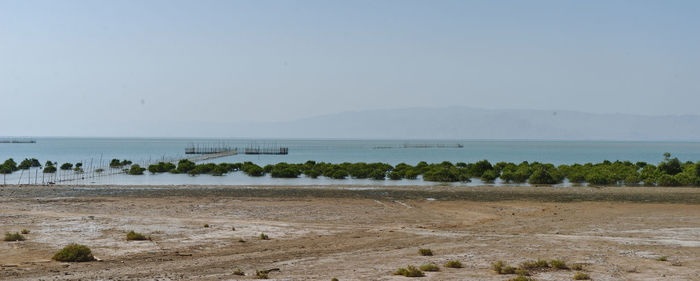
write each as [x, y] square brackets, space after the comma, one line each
[97, 152]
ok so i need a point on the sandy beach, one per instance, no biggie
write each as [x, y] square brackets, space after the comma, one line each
[350, 232]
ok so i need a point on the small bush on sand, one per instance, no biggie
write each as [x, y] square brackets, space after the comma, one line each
[581, 276]
[334, 279]
[662, 258]
[558, 264]
[264, 236]
[501, 267]
[233, 228]
[498, 266]
[74, 253]
[25, 231]
[429, 267]
[577, 266]
[453, 264]
[239, 272]
[206, 225]
[13, 237]
[409, 271]
[135, 236]
[535, 264]
[241, 241]
[520, 271]
[425, 252]
[261, 274]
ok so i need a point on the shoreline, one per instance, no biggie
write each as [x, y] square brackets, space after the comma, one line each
[684, 195]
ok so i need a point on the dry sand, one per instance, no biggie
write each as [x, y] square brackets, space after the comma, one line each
[351, 233]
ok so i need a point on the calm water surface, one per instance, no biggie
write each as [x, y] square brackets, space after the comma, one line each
[96, 152]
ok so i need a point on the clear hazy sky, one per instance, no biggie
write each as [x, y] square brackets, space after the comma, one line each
[76, 64]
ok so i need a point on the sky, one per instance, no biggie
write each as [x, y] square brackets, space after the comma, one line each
[68, 67]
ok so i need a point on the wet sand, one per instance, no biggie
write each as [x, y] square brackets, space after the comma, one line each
[350, 232]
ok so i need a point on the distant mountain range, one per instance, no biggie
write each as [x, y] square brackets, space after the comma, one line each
[474, 123]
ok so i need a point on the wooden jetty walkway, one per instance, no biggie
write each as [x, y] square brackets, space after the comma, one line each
[16, 141]
[207, 156]
[270, 151]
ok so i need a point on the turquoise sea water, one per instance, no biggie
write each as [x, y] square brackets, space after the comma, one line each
[96, 152]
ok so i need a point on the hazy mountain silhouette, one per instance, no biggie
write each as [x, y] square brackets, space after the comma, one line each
[474, 123]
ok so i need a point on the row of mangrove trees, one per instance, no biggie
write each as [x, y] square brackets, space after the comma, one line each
[669, 172]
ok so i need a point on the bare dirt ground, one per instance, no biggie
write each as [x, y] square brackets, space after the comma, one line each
[351, 233]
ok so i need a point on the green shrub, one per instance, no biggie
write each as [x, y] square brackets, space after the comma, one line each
[252, 170]
[453, 264]
[544, 174]
[184, 166]
[429, 267]
[662, 258]
[425, 252]
[520, 271]
[161, 167]
[312, 173]
[558, 264]
[13, 237]
[535, 264]
[409, 271]
[66, 166]
[239, 272]
[501, 267]
[206, 225]
[443, 173]
[25, 231]
[264, 236]
[334, 279]
[49, 170]
[581, 276]
[395, 176]
[74, 253]
[28, 163]
[241, 241]
[339, 174]
[135, 236]
[284, 170]
[489, 175]
[136, 170]
[411, 174]
[670, 166]
[577, 266]
[668, 180]
[261, 274]
[115, 163]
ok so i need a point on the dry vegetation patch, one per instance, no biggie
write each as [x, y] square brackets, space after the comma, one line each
[74, 253]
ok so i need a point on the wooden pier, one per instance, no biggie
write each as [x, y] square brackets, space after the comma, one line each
[427, 145]
[207, 156]
[210, 150]
[16, 141]
[267, 150]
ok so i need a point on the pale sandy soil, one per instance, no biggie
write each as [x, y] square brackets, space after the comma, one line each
[356, 234]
